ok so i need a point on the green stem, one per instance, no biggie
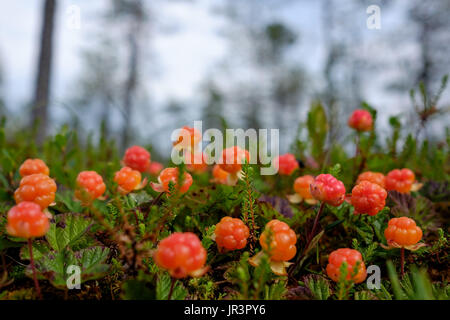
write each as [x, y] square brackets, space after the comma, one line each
[33, 268]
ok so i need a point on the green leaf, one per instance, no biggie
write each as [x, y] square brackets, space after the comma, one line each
[66, 230]
[163, 288]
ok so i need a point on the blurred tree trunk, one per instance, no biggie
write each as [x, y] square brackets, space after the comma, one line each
[42, 89]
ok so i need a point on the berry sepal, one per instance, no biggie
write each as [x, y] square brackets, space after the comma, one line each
[296, 198]
[394, 245]
[277, 267]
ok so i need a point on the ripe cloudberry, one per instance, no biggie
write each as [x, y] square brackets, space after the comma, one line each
[32, 166]
[352, 258]
[233, 158]
[188, 138]
[37, 188]
[368, 197]
[219, 175]
[286, 164]
[282, 241]
[128, 180]
[302, 186]
[402, 233]
[26, 220]
[361, 120]
[155, 168]
[400, 180]
[170, 175]
[137, 158]
[182, 254]
[374, 177]
[196, 162]
[231, 233]
[328, 189]
[90, 186]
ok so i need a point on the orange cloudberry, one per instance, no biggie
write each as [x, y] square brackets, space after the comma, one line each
[400, 180]
[231, 233]
[89, 186]
[26, 220]
[361, 120]
[37, 188]
[328, 189]
[368, 197]
[286, 164]
[353, 258]
[127, 179]
[32, 166]
[137, 158]
[374, 177]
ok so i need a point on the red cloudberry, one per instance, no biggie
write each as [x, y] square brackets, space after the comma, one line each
[170, 175]
[361, 120]
[286, 164]
[400, 180]
[231, 233]
[188, 138]
[374, 177]
[402, 232]
[282, 241]
[137, 158]
[233, 158]
[90, 186]
[352, 258]
[37, 188]
[196, 162]
[127, 179]
[328, 189]
[155, 168]
[182, 254]
[368, 197]
[219, 175]
[26, 220]
[32, 166]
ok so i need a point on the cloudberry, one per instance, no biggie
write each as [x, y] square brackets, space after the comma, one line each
[368, 197]
[361, 120]
[182, 254]
[352, 258]
[374, 177]
[400, 180]
[286, 164]
[282, 241]
[137, 158]
[26, 220]
[328, 189]
[219, 175]
[402, 232]
[196, 162]
[302, 186]
[188, 138]
[155, 168]
[233, 158]
[127, 179]
[90, 186]
[231, 233]
[169, 175]
[37, 188]
[32, 166]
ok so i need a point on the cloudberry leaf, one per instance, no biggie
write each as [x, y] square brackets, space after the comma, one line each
[66, 230]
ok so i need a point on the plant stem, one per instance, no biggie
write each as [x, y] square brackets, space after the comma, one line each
[316, 220]
[172, 285]
[36, 283]
[402, 262]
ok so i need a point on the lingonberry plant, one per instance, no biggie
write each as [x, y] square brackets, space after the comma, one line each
[224, 231]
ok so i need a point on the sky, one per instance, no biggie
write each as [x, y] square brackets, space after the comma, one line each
[185, 46]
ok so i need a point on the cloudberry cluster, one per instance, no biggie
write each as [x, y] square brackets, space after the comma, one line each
[231, 233]
[286, 164]
[26, 220]
[352, 258]
[182, 254]
[374, 177]
[37, 188]
[233, 158]
[400, 180]
[368, 197]
[137, 158]
[402, 232]
[361, 120]
[89, 186]
[33, 166]
[127, 179]
[278, 240]
[328, 189]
